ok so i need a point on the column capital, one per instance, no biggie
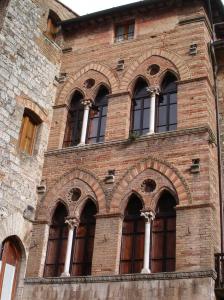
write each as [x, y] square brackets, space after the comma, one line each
[153, 90]
[72, 222]
[87, 102]
[148, 215]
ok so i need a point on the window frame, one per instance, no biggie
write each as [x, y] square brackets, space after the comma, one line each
[29, 120]
[127, 35]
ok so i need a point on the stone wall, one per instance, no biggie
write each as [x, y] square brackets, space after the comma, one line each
[173, 286]
[27, 73]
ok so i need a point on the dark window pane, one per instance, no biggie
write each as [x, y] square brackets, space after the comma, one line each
[103, 126]
[104, 110]
[137, 104]
[162, 116]
[173, 114]
[173, 127]
[93, 127]
[162, 129]
[173, 98]
[137, 120]
[146, 119]
[147, 103]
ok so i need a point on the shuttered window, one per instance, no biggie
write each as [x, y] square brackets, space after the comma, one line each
[28, 131]
[57, 243]
[83, 242]
[133, 232]
[163, 252]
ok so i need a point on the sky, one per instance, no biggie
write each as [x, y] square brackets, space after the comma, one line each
[83, 7]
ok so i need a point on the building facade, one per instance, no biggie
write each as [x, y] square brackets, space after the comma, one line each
[126, 201]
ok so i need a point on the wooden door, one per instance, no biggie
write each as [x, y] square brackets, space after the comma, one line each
[10, 265]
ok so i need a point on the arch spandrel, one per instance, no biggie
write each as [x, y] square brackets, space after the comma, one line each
[62, 187]
[172, 180]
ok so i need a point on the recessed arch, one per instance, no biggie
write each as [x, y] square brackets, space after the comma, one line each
[161, 166]
[135, 81]
[165, 74]
[172, 57]
[63, 184]
[103, 69]
[127, 198]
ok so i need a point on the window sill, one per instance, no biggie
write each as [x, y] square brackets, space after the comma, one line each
[125, 277]
[143, 138]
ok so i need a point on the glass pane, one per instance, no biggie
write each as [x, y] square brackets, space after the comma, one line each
[162, 129]
[173, 114]
[137, 120]
[173, 98]
[137, 103]
[120, 33]
[93, 127]
[8, 282]
[162, 115]
[162, 100]
[104, 110]
[173, 127]
[103, 126]
[146, 118]
[147, 103]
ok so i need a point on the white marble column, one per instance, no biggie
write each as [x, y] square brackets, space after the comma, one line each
[154, 91]
[87, 104]
[149, 217]
[72, 225]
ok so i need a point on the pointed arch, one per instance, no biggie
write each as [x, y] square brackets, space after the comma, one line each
[63, 184]
[175, 59]
[103, 69]
[161, 166]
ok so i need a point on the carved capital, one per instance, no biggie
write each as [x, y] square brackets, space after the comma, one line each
[153, 90]
[72, 223]
[87, 102]
[148, 215]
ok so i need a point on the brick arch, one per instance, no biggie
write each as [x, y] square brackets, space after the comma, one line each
[175, 59]
[164, 168]
[51, 198]
[26, 102]
[106, 71]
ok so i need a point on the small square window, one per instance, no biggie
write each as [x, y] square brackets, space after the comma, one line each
[124, 32]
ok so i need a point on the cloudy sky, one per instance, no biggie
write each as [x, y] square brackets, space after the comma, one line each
[83, 7]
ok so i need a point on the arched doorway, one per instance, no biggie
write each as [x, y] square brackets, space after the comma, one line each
[10, 261]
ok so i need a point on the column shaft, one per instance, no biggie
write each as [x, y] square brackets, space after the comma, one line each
[152, 114]
[84, 125]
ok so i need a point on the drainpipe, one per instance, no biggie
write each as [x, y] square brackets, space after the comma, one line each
[215, 70]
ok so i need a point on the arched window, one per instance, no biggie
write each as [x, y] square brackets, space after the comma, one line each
[98, 117]
[83, 242]
[74, 121]
[10, 260]
[163, 252]
[167, 105]
[140, 108]
[57, 243]
[132, 244]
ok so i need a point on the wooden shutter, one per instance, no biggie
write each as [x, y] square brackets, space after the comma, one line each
[27, 134]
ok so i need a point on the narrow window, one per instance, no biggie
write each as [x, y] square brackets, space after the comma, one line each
[83, 242]
[28, 131]
[57, 243]
[10, 260]
[98, 117]
[140, 109]
[132, 243]
[74, 121]
[163, 252]
[124, 32]
[167, 105]
[52, 25]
